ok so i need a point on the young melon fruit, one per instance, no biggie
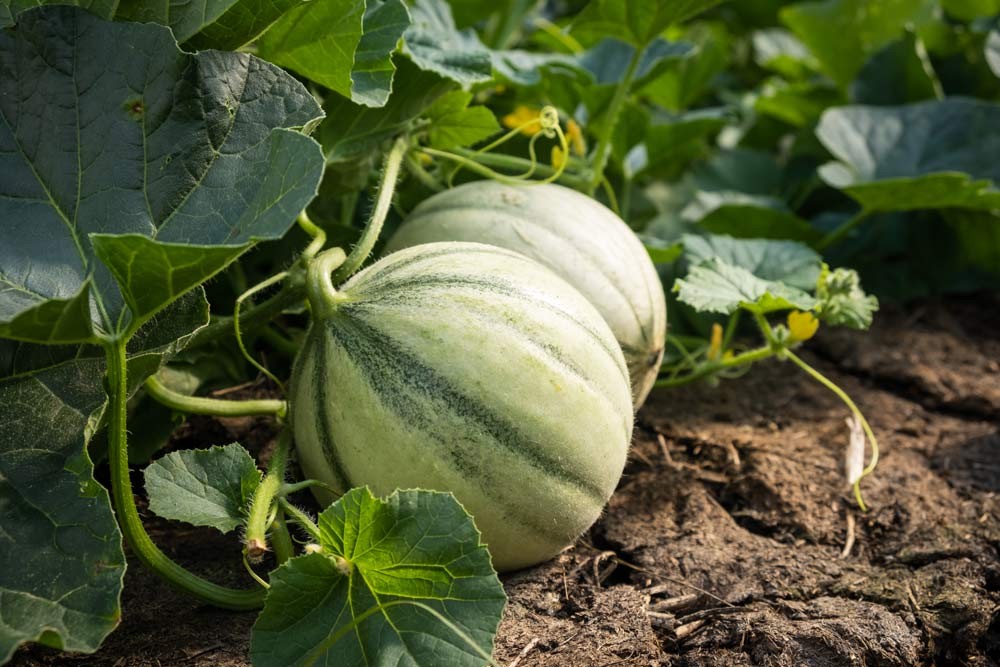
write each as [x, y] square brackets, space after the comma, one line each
[467, 368]
[580, 239]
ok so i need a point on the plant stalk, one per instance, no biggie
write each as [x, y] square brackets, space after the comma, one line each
[603, 151]
[843, 230]
[707, 369]
[262, 505]
[842, 395]
[386, 189]
[128, 515]
[199, 405]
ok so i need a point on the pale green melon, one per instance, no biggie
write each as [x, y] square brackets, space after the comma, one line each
[468, 368]
[577, 237]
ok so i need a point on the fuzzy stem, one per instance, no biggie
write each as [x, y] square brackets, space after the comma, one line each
[291, 294]
[387, 186]
[282, 541]
[319, 281]
[255, 541]
[199, 405]
[128, 515]
[300, 517]
[842, 395]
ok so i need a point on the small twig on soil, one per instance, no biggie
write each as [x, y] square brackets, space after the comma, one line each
[204, 651]
[675, 603]
[601, 575]
[661, 620]
[849, 543]
[679, 582]
[685, 631]
[665, 450]
[524, 652]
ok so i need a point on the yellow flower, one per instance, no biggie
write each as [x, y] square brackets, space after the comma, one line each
[522, 115]
[558, 158]
[575, 135]
[802, 325]
[715, 346]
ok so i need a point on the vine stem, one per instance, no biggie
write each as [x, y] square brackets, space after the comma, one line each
[842, 395]
[262, 504]
[300, 517]
[515, 163]
[199, 405]
[748, 357]
[603, 151]
[387, 187]
[128, 515]
[843, 229]
[291, 294]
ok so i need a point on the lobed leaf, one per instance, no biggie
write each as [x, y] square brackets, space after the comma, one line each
[109, 129]
[364, 599]
[203, 487]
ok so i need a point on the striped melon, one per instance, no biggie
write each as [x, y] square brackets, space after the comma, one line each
[578, 238]
[467, 368]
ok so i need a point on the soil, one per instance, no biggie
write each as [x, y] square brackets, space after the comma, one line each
[731, 540]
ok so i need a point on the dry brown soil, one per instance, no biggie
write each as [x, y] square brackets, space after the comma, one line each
[724, 544]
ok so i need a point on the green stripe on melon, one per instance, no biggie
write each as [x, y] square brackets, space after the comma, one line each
[577, 237]
[468, 368]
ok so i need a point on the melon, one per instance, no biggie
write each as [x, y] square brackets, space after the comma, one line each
[580, 239]
[472, 369]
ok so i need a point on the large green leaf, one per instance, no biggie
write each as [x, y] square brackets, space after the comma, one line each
[61, 559]
[345, 45]
[209, 24]
[748, 216]
[108, 129]
[897, 74]
[678, 87]
[11, 8]
[203, 487]
[843, 34]
[926, 155]
[716, 286]
[637, 22]
[787, 262]
[350, 131]
[781, 51]
[366, 598]
[53, 514]
[436, 45]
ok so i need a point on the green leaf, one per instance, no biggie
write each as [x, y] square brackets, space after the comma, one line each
[788, 262]
[11, 8]
[897, 74]
[843, 34]
[527, 68]
[203, 487]
[716, 286]
[128, 157]
[748, 216]
[782, 52]
[637, 22]
[435, 45]
[454, 123]
[674, 140]
[967, 10]
[54, 515]
[341, 44]
[607, 61]
[993, 51]
[663, 253]
[209, 24]
[350, 131]
[363, 599]
[842, 302]
[798, 104]
[926, 155]
[684, 83]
